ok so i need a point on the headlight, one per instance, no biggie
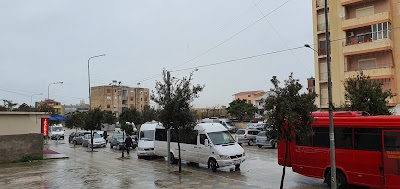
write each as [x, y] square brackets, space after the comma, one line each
[224, 157]
[141, 149]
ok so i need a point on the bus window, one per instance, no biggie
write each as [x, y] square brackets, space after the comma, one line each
[344, 138]
[368, 139]
[303, 141]
[321, 137]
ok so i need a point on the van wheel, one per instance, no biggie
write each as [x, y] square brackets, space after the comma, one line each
[251, 143]
[213, 165]
[237, 167]
[340, 180]
[172, 159]
[260, 146]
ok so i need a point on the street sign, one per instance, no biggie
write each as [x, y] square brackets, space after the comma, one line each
[45, 126]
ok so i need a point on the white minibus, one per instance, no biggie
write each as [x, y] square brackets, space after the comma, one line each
[146, 140]
[211, 145]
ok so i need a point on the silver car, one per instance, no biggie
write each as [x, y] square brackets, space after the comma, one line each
[246, 135]
[262, 140]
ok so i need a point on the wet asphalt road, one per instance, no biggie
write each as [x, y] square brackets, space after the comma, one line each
[105, 169]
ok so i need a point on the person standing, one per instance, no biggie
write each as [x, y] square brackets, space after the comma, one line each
[105, 136]
[128, 143]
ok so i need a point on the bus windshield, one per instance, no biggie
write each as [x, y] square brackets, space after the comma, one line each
[221, 137]
[147, 135]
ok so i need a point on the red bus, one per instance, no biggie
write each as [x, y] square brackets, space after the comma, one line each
[367, 150]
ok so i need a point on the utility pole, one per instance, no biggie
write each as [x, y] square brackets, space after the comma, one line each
[330, 104]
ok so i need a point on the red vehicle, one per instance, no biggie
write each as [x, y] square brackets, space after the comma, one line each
[367, 150]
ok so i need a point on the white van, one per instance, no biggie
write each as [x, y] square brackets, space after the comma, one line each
[56, 131]
[213, 146]
[146, 140]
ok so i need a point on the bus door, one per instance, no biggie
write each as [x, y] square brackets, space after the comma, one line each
[391, 158]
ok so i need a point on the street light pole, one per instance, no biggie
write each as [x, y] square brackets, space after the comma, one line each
[30, 104]
[330, 103]
[48, 88]
[88, 70]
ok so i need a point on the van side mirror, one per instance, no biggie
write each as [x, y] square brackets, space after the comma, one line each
[206, 142]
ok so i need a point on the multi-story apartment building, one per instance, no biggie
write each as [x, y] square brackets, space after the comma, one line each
[249, 96]
[56, 106]
[364, 35]
[116, 98]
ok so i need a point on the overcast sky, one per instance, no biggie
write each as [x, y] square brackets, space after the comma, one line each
[48, 41]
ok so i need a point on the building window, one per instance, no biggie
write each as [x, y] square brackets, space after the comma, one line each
[108, 106]
[141, 99]
[366, 64]
[131, 99]
[145, 93]
[249, 101]
[108, 98]
[124, 102]
[115, 90]
[323, 71]
[381, 31]
[108, 90]
[366, 11]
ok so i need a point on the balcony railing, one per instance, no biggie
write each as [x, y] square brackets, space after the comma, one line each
[323, 77]
[366, 20]
[321, 51]
[321, 27]
[359, 39]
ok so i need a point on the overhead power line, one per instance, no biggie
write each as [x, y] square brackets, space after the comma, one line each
[218, 45]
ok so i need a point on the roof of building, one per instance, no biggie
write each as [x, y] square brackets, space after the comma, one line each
[249, 92]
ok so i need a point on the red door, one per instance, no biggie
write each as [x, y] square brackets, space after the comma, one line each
[391, 158]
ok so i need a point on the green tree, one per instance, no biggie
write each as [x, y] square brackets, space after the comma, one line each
[2, 108]
[23, 108]
[75, 120]
[108, 117]
[93, 121]
[367, 95]
[149, 114]
[175, 96]
[289, 112]
[240, 109]
[130, 115]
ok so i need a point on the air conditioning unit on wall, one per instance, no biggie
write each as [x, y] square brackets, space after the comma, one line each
[350, 34]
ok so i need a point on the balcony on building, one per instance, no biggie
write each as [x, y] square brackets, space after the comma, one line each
[378, 65]
[374, 38]
[320, 4]
[351, 2]
[366, 20]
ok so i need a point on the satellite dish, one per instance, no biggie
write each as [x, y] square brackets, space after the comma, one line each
[342, 15]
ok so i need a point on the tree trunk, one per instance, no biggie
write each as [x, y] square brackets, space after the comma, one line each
[179, 152]
[91, 140]
[284, 163]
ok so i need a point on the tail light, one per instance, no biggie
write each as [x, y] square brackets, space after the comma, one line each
[245, 136]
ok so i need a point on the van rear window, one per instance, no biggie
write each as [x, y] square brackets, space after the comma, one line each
[240, 132]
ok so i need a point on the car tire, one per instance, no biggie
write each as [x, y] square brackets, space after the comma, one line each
[260, 146]
[212, 163]
[111, 146]
[172, 159]
[250, 143]
[273, 144]
[340, 180]
[237, 167]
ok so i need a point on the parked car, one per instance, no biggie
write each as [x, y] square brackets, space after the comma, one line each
[77, 137]
[262, 140]
[119, 142]
[247, 135]
[98, 141]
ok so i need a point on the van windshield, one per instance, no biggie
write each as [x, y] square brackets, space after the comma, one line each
[56, 129]
[147, 135]
[221, 137]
